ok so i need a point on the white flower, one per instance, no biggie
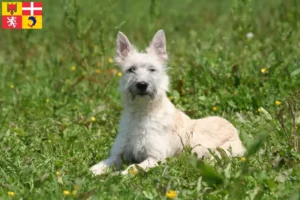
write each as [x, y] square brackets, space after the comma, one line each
[250, 35]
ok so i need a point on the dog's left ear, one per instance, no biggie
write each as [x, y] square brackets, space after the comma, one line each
[158, 45]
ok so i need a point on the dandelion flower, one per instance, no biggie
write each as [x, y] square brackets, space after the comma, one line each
[215, 108]
[74, 192]
[93, 119]
[171, 194]
[73, 68]
[263, 70]
[66, 192]
[277, 103]
[250, 35]
[12, 86]
[259, 109]
[243, 159]
[10, 193]
[98, 71]
[132, 171]
[110, 60]
[119, 74]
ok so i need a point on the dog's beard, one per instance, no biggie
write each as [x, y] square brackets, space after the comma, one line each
[151, 94]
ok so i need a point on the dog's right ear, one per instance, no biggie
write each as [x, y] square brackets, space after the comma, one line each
[123, 47]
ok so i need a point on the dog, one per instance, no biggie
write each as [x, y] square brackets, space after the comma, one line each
[151, 129]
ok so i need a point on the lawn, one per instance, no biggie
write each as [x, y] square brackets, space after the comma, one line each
[60, 106]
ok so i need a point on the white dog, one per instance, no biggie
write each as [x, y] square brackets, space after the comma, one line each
[151, 128]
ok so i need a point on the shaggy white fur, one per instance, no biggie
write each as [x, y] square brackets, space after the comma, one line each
[151, 128]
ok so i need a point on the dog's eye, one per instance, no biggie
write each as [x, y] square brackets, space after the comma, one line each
[131, 69]
[152, 70]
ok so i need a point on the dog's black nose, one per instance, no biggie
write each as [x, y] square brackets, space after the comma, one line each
[142, 86]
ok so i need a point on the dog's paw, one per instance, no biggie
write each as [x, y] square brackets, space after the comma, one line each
[129, 170]
[98, 169]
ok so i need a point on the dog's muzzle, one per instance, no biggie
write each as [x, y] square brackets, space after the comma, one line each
[142, 88]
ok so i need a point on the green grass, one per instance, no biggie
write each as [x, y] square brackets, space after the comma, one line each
[46, 107]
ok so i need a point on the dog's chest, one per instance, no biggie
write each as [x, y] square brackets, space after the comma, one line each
[147, 136]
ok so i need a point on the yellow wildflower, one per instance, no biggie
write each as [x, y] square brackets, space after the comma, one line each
[110, 60]
[243, 159]
[132, 171]
[74, 192]
[98, 71]
[66, 192]
[171, 194]
[259, 109]
[12, 86]
[93, 119]
[12, 194]
[277, 103]
[73, 68]
[58, 173]
[263, 70]
[215, 108]
[119, 74]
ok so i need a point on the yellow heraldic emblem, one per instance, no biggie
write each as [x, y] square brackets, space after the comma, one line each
[32, 22]
[11, 8]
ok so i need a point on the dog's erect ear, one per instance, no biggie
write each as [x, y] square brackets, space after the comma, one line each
[123, 47]
[158, 45]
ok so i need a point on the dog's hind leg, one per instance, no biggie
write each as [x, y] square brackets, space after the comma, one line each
[236, 146]
[231, 148]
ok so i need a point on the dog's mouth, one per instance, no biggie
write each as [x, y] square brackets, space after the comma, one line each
[137, 93]
[143, 93]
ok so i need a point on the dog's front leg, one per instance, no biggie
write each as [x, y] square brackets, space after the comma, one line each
[145, 165]
[101, 167]
[113, 160]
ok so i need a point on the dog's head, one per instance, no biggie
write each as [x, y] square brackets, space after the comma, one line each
[144, 73]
